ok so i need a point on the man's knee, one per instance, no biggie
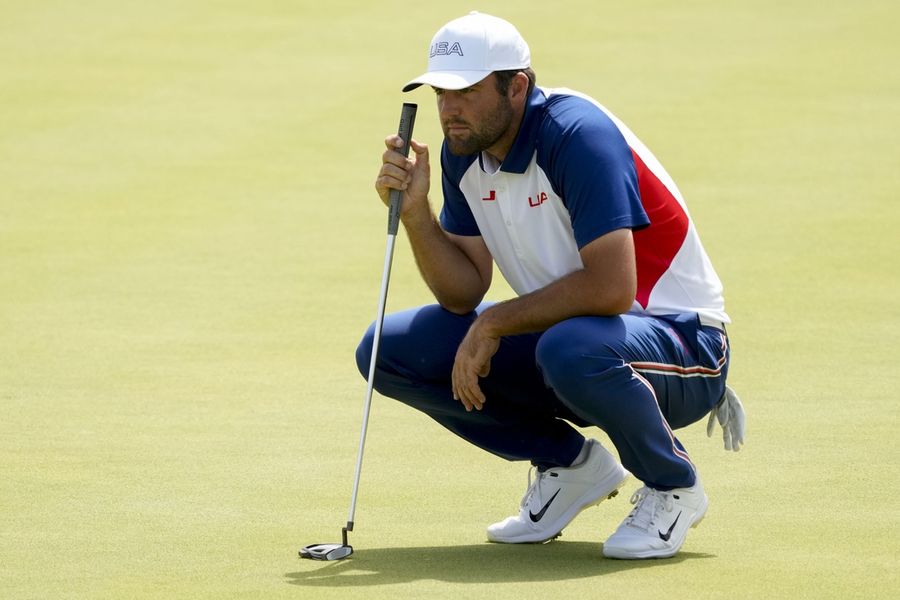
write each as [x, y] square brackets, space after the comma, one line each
[419, 343]
[577, 347]
[584, 370]
[364, 351]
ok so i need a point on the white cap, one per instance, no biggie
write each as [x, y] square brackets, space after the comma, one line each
[468, 49]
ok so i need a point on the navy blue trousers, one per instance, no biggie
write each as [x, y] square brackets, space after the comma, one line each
[635, 377]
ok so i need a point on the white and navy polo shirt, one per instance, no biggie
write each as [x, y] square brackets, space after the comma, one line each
[574, 173]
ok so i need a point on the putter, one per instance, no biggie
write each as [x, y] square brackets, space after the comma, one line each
[344, 549]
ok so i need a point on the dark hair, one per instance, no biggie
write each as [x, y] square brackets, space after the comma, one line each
[505, 77]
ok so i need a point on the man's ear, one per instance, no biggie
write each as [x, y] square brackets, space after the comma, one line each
[518, 87]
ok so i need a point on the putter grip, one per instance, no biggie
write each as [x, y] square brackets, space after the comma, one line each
[407, 120]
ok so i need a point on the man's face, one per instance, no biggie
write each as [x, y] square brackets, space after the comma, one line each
[474, 118]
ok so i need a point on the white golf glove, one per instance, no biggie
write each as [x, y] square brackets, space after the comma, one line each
[730, 413]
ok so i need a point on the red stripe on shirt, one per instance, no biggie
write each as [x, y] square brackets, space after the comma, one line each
[656, 245]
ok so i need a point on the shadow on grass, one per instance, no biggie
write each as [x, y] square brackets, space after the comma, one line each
[480, 563]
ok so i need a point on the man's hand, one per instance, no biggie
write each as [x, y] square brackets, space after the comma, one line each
[412, 175]
[473, 360]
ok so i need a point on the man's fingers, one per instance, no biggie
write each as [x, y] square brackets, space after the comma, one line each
[393, 141]
[395, 171]
[393, 155]
[394, 176]
[466, 389]
[471, 393]
[477, 398]
[471, 400]
[473, 359]
[462, 397]
[420, 150]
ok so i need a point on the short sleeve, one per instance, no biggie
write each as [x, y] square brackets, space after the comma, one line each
[591, 168]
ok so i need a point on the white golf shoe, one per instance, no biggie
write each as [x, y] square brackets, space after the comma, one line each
[557, 495]
[658, 524]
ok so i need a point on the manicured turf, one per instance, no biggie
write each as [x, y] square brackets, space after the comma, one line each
[190, 249]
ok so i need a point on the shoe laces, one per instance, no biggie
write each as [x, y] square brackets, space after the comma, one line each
[536, 479]
[647, 504]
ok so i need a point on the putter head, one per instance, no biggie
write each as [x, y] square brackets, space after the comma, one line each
[326, 551]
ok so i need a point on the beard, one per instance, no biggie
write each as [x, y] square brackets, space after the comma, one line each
[481, 135]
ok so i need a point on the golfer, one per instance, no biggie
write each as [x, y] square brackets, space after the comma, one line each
[619, 319]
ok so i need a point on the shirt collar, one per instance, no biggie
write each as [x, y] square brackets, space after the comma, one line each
[519, 156]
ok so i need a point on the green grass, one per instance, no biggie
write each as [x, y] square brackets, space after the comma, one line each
[190, 248]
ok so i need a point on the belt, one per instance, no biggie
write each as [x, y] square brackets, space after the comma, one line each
[710, 322]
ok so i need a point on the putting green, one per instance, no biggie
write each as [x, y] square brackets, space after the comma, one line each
[190, 249]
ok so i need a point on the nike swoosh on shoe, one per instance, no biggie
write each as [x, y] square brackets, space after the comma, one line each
[665, 536]
[540, 515]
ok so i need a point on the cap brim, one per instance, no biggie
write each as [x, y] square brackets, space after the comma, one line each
[447, 80]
